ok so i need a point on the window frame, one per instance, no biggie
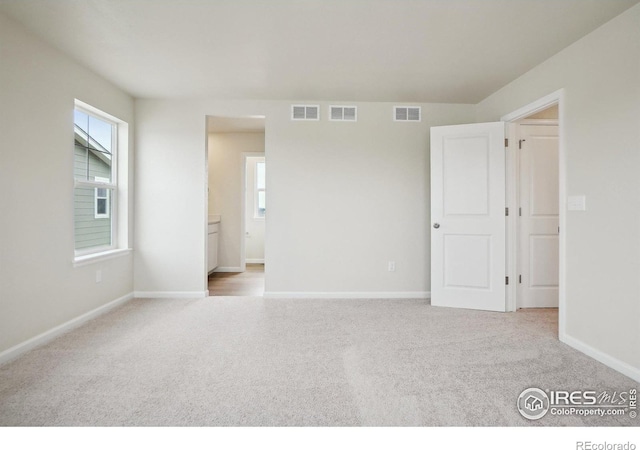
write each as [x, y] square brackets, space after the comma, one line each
[107, 198]
[111, 186]
[257, 190]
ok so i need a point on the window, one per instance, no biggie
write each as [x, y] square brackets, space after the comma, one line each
[96, 182]
[102, 201]
[260, 209]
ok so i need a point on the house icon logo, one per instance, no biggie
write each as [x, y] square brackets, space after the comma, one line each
[533, 403]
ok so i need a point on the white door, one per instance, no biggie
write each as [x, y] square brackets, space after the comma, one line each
[539, 219]
[468, 216]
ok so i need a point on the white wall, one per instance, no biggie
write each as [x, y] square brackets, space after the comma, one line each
[225, 189]
[344, 198]
[601, 78]
[39, 287]
[347, 198]
[255, 230]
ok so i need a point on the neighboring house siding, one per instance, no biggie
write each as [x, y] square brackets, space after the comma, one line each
[89, 231]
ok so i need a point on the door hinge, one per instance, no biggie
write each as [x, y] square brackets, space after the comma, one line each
[520, 279]
[520, 212]
[506, 142]
[520, 143]
[506, 211]
[506, 279]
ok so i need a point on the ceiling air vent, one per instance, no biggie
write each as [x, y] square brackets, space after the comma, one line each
[305, 112]
[407, 113]
[343, 113]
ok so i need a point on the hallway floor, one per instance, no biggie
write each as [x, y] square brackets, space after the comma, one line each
[248, 283]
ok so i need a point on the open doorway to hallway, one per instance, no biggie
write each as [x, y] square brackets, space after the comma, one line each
[236, 205]
[538, 210]
[536, 189]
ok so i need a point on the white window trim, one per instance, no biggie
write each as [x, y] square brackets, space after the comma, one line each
[103, 255]
[256, 190]
[92, 254]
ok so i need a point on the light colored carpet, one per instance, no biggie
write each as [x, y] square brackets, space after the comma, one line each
[254, 361]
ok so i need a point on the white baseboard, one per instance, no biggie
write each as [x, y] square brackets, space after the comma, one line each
[228, 269]
[348, 295]
[255, 261]
[47, 336]
[607, 360]
[171, 294]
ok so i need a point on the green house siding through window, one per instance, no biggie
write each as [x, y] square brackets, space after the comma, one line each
[89, 230]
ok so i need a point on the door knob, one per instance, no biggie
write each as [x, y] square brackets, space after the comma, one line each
[436, 225]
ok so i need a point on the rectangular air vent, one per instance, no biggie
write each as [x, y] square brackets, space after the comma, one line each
[305, 112]
[407, 113]
[343, 113]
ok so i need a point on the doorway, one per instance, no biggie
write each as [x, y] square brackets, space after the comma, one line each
[475, 201]
[536, 244]
[538, 221]
[235, 145]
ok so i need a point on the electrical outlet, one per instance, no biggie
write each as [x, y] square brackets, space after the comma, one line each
[392, 266]
[98, 276]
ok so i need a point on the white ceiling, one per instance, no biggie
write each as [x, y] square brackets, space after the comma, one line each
[361, 50]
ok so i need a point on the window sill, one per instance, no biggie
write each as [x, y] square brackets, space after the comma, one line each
[79, 261]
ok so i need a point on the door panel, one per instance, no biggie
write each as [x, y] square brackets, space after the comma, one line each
[467, 215]
[467, 261]
[543, 261]
[539, 220]
[543, 173]
[465, 165]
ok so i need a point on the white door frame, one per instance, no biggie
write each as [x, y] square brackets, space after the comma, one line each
[243, 207]
[556, 97]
